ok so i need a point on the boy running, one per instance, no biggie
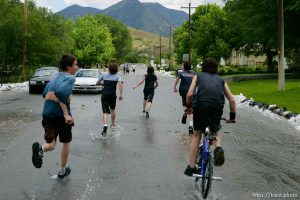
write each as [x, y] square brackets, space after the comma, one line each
[207, 106]
[186, 78]
[133, 68]
[151, 83]
[109, 95]
[57, 118]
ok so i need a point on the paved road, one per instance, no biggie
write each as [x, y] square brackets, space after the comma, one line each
[143, 159]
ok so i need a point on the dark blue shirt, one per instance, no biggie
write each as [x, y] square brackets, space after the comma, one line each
[61, 86]
[110, 83]
[186, 78]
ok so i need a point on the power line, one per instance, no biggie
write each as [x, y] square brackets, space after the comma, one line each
[190, 30]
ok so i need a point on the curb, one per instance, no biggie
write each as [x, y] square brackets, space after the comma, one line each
[273, 108]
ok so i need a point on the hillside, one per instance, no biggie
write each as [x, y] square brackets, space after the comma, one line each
[145, 41]
[150, 17]
[75, 10]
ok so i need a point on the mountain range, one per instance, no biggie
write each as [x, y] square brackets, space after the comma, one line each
[150, 17]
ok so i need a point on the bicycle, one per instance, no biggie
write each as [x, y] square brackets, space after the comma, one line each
[205, 163]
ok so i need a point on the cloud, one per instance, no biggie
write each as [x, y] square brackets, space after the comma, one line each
[44, 3]
[92, 3]
[56, 5]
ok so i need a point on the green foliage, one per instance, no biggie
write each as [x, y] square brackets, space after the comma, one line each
[93, 41]
[132, 57]
[121, 37]
[47, 38]
[181, 42]
[254, 23]
[294, 65]
[227, 70]
[230, 70]
[211, 32]
[11, 33]
[266, 91]
[211, 35]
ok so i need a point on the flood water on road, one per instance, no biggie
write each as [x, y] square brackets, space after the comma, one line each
[144, 159]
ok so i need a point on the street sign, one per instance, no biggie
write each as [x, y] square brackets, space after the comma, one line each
[185, 57]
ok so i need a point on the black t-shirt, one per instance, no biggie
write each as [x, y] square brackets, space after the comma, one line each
[150, 79]
[209, 90]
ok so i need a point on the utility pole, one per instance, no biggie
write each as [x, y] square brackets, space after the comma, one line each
[24, 64]
[160, 52]
[170, 45]
[160, 46]
[281, 72]
[154, 52]
[190, 31]
[170, 41]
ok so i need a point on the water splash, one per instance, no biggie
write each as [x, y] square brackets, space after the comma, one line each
[113, 135]
[35, 189]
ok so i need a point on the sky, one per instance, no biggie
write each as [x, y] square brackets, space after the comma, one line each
[57, 5]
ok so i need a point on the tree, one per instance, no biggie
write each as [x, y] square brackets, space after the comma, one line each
[210, 35]
[11, 33]
[181, 42]
[255, 22]
[47, 38]
[211, 32]
[120, 36]
[93, 41]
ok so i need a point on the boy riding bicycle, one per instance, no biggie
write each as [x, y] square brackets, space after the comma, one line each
[205, 99]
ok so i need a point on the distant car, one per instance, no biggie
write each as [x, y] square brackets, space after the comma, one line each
[41, 78]
[85, 81]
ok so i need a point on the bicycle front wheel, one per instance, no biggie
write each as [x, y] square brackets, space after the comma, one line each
[208, 175]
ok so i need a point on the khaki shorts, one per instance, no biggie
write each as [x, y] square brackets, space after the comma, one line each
[54, 128]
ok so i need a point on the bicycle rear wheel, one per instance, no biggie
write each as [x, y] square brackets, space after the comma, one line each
[208, 175]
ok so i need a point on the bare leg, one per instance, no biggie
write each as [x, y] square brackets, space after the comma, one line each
[148, 106]
[105, 116]
[194, 148]
[64, 155]
[144, 104]
[113, 117]
[49, 146]
[217, 142]
[190, 117]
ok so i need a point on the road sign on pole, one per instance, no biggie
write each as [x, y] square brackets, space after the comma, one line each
[185, 57]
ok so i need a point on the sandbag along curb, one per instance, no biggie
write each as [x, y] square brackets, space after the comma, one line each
[273, 108]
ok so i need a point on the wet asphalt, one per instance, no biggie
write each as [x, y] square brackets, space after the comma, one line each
[143, 159]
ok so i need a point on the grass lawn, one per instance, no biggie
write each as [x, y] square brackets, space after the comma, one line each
[266, 91]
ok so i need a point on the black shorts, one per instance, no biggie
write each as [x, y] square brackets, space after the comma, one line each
[53, 128]
[206, 115]
[148, 95]
[183, 97]
[108, 102]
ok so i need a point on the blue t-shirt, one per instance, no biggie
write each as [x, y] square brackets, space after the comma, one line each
[62, 86]
[186, 78]
[110, 83]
